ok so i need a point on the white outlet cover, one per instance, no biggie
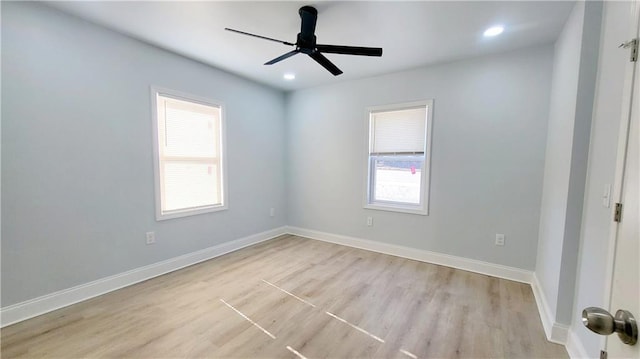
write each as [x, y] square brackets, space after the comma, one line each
[151, 237]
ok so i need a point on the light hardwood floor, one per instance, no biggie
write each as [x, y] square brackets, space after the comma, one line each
[294, 297]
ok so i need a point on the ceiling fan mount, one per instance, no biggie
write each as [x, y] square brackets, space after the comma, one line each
[306, 43]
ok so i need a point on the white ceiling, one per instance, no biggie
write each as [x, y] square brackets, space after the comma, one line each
[412, 34]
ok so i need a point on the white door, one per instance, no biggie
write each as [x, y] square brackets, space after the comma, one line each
[624, 294]
[625, 289]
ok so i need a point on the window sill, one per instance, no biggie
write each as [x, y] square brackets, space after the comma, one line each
[189, 212]
[397, 208]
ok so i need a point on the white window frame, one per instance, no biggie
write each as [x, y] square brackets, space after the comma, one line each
[178, 95]
[423, 208]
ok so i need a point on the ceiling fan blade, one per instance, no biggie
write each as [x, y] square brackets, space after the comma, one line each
[350, 50]
[258, 36]
[280, 58]
[309, 16]
[325, 63]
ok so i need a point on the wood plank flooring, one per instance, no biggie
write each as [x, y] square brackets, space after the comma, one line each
[296, 298]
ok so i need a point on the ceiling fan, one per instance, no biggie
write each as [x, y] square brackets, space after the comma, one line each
[306, 43]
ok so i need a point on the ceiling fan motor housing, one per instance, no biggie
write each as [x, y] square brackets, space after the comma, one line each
[306, 46]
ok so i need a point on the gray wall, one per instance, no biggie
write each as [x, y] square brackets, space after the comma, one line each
[597, 219]
[489, 134]
[77, 168]
[579, 158]
[571, 107]
[558, 155]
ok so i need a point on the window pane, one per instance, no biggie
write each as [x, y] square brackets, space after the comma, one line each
[190, 184]
[397, 178]
[190, 130]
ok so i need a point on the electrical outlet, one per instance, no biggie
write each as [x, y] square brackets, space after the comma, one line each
[272, 212]
[499, 239]
[369, 221]
[151, 237]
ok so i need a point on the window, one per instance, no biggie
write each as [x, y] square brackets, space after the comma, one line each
[189, 155]
[398, 157]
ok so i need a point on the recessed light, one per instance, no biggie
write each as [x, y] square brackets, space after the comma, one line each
[493, 31]
[289, 76]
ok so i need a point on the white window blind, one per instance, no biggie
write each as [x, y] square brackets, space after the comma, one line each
[191, 130]
[401, 131]
[189, 155]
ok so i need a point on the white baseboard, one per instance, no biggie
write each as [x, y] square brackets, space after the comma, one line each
[559, 334]
[471, 265]
[555, 332]
[50, 302]
[575, 348]
[543, 307]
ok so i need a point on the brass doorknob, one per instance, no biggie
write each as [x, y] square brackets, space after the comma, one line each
[602, 322]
